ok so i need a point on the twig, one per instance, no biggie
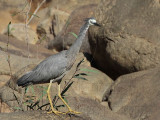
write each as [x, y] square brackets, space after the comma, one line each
[18, 101]
[8, 60]
[36, 11]
[32, 106]
[26, 26]
[40, 108]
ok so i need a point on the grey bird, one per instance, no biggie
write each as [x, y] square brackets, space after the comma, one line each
[55, 67]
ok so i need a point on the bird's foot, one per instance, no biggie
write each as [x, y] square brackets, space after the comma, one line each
[72, 112]
[56, 112]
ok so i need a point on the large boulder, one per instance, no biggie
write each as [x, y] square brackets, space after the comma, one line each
[15, 64]
[6, 19]
[19, 55]
[22, 32]
[95, 85]
[66, 38]
[137, 95]
[21, 48]
[128, 40]
[4, 108]
[51, 23]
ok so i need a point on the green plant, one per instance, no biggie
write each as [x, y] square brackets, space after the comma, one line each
[88, 70]
[75, 35]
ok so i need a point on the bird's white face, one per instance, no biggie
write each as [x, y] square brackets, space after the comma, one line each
[92, 21]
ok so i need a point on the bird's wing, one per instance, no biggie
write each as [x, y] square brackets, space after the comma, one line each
[51, 68]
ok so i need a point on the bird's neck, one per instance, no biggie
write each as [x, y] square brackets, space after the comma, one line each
[74, 49]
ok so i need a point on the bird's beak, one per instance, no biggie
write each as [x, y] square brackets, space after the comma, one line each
[96, 24]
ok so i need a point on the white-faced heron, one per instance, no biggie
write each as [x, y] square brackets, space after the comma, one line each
[55, 67]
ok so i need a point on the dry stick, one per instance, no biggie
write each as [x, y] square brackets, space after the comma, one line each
[8, 60]
[35, 11]
[26, 26]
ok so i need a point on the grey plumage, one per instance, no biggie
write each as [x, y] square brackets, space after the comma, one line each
[46, 70]
[56, 66]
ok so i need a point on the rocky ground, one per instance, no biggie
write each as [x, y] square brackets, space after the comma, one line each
[119, 77]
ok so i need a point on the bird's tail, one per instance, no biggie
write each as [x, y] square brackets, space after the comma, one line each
[24, 80]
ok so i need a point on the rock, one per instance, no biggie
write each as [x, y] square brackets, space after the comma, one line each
[21, 32]
[6, 19]
[128, 40]
[96, 85]
[7, 96]
[51, 23]
[137, 95]
[16, 63]
[9, 14]
[4, 108]
[39, 115]
[65, 38]
[93, 109]
[5, 4]
[20, 48]
[4, 79]
[89, 108]
[70, 5]
[155, 115]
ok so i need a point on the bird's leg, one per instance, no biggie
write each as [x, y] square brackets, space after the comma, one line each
[50, 101]
[69, 109]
